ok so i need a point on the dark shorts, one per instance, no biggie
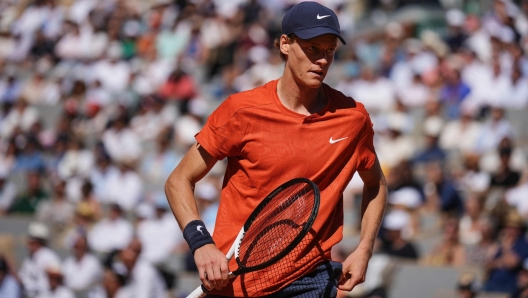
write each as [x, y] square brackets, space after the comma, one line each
[320, 283]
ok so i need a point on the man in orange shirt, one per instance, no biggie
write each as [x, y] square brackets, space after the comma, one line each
[292, 127]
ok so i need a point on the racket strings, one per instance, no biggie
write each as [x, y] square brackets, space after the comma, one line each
[277, 225]
[263, 282]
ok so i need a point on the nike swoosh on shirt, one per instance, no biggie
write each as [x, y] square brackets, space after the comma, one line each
[335, 141]
[322, 17]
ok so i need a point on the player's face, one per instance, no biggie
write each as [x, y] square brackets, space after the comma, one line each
[309, 60]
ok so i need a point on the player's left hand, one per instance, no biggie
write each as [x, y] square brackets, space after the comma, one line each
[354, 269]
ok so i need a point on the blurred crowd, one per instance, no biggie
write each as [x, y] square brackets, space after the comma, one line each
[100, 100]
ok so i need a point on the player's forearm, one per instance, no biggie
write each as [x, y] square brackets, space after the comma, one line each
[180, 194]
[373, 206]
[179, 187]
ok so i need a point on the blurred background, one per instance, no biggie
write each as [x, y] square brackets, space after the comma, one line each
[101, 98]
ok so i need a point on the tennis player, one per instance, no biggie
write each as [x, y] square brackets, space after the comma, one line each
[295, 126]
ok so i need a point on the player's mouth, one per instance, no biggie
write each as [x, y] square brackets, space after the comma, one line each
[318, 73]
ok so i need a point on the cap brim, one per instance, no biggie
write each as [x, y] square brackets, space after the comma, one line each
[317, 31]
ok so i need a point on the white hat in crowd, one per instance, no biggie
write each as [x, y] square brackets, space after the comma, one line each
[38, 230]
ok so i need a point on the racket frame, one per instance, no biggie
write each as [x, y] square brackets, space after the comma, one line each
[201, 291]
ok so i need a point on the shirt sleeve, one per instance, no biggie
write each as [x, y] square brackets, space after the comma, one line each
[365, 148]
[221, 135]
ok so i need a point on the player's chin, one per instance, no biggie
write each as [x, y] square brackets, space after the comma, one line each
[314, 81]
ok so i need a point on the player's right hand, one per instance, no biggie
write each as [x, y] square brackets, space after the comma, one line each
[212, 266]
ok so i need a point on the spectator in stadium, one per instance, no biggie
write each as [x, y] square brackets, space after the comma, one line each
[20, 118]
[89, 205]
[103, 172]
[480, 253]
[111, 233]
[449, 252]
[395, 224]
[453, 93]
[114, 285]
[9, 286]
[125, 188]
[456, 36]
[461, 134]
[179, 87]
[522, 281]
[506, 263]
[469, 225]
[473, 179]
[158, 233]
[58, 211]
[494, 131]
[35, 193]
[56, 288]
[432, 152]
[158, 165]
[33, 271]
[82, 270]
[8, 191]
[441, 194]
[31, 157]
[467, 286]
[77, 160]
[39, 90]
[120, 141]
[505, 177]
[145, 280]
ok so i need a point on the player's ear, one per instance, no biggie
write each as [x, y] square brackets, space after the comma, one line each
[285, 43]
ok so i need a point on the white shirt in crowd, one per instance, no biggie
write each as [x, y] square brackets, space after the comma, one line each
[100, 180]
[113, 75]
[518, 96]
[492, 134]
[33, 271]
[392, 151]
[75, 162]
[468, 236]
[82, 274]
[461, 136]
[516, 197]
[122, 145]
[145, 281]
[122, 292]
[382, 100]
[59, 292]
[475, 182]
[159, 237]
[414, 95]
[125, 189]
[7, 194]
[16, 118]
[108, 235]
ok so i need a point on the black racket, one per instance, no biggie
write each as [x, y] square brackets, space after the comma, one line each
[274, 228]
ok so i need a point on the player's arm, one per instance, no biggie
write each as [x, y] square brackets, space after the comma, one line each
[179, 188]
[373, 206]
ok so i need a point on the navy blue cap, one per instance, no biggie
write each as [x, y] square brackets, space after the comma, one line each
[311, 19]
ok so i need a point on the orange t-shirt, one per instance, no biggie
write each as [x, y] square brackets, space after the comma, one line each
[266, 144]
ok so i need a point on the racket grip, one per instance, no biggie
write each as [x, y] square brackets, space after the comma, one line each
[198, 293]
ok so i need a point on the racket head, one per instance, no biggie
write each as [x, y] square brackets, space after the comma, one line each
[278, 224]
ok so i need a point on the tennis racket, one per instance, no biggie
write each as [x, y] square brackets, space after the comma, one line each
[274, 228]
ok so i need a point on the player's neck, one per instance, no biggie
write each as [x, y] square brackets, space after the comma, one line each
[298, 98]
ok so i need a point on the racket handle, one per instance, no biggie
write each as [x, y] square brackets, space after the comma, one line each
[199, 291]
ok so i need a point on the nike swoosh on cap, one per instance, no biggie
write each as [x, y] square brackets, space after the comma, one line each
[335, 141]
[322, 17]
